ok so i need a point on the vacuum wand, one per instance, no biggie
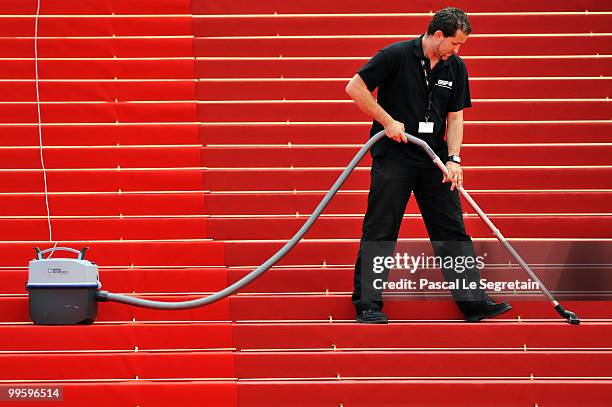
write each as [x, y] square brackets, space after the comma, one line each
[126, 299]
[571, 317]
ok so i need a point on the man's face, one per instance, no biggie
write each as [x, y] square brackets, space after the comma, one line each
[445, 47]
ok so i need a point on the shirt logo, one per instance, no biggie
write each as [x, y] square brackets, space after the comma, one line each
[445, 84]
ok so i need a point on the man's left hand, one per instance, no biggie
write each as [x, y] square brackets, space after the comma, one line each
[455, 175]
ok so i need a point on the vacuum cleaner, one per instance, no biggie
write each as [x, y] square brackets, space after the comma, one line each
[66, 291]
[62, 291]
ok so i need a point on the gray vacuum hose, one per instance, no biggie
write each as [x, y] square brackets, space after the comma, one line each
[571, 317]
[139, 302]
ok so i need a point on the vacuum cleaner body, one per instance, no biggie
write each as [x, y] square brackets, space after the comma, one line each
[62, 291]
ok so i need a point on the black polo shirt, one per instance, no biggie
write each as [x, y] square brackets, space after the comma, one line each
[397, 72]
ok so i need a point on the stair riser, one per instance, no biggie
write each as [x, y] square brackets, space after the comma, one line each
[324, 90]
[397, 25]
[357, 47]
[350, 228]
[343, 68]
[357, 133]
[348, 112]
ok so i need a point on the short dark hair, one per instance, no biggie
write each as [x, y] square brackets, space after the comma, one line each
[449, 20]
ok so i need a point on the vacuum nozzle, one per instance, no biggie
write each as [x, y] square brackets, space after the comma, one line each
[569, 315]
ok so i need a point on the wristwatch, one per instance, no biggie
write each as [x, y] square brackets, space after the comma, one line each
[454, 158]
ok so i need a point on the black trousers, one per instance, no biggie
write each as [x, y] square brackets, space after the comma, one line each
[392, 183]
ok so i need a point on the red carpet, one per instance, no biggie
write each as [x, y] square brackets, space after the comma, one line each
[185, 141]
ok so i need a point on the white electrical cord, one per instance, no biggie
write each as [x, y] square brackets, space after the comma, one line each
[42, 160]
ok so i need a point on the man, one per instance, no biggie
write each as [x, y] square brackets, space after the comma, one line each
[422, 90]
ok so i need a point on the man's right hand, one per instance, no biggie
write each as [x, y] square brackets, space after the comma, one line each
[395, 131]
[359, 92]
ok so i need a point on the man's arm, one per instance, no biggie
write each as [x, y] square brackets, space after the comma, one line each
[358, 91]
[454, 137]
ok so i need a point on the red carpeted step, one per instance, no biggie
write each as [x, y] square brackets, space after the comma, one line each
[328, 156]
[104, 157]
[389, 6]
[279, 157]
[97, 48]
[154, 280]
[308, 308]
[118, 337]
[335, 90]
[103, 204]
[359, 47]
[104, 229]
[77, 26]
[535, 88]
[457, 392]
[159, 90]
[479, 178]
[434, 364]
[346, 68]
[347, 227]
[55, 7]
[71, 69]
[109, 180]
[99, 7]
[124, 254]
[421, 335]
[100, 112]
[287, 280]
[153, 7]
[102, 135]
[356, 202]
[192, 279]
[344, 111]
[96, 91]
[529, 110]
[15, 309]
[397, 25]
[343, 252]
[339, 307]
[358, 133]
[110, 204]
[145, 366]
[162, 112]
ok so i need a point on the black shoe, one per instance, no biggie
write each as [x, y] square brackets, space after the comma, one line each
[487, 309]
[372, 316]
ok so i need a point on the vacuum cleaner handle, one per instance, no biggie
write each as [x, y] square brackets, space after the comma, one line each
[40, 253]
[424, 146]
